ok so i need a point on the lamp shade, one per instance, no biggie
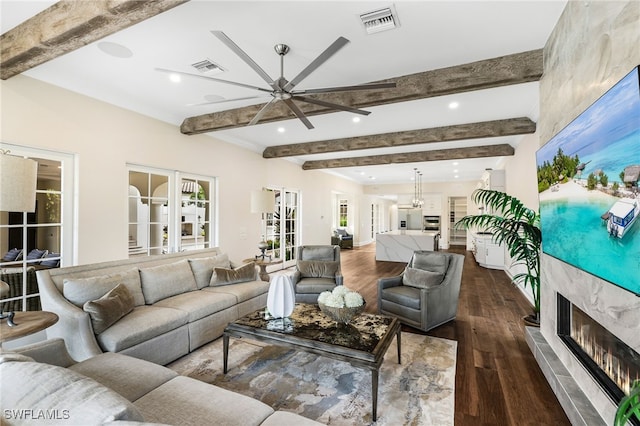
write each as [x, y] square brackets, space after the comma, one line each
[18, 177]
[262, 202]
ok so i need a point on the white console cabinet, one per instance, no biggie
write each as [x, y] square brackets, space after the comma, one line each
[487, 253]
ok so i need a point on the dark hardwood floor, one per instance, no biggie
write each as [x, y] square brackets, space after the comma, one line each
[498, 382]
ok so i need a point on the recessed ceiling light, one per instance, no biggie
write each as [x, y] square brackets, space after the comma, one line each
[356, 119]
[456, 176]
[455, 171]
[454, 105]
[372, 177]
[114, 49]
[455, 163]
[281, 129]
[175, 78]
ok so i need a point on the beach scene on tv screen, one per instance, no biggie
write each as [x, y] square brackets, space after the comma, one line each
[588, 178]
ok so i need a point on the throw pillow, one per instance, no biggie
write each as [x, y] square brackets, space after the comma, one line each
[430, 261]
[52, 260]
[36, 254]
[12, 255]
[203, 268]
[162, 281]
[317, 268]
[419, 278]
[81, 290]
[224, 276]
[107, 310]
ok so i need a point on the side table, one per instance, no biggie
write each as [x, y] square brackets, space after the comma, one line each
[28, 322]
[263, 263]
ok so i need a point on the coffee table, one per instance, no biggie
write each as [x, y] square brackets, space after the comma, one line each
[362, 343]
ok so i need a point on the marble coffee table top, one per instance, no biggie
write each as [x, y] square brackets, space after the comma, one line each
[307, 321]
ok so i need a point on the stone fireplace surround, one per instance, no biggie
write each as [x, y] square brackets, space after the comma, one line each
[593, 45]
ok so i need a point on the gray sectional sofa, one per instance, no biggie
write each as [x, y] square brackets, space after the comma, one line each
[41, 385]
[156, 308]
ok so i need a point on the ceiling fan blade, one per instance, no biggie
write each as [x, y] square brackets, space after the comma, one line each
[248, 86]
[298, 112]
[370, 86]
[246, 58]
[221, 101]
[331, 105]
[321, 59]
[260, 113]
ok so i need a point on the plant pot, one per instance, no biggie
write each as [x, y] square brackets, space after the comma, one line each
[532, 320]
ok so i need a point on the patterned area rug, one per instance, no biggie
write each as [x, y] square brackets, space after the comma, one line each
[420, 391]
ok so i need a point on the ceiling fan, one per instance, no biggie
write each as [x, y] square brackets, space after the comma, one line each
[282, 89]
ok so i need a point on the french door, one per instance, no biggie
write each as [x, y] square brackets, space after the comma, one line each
[283, 226]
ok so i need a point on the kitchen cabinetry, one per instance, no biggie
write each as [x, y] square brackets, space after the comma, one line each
[457, 210]
[493, 179]
[487, 253]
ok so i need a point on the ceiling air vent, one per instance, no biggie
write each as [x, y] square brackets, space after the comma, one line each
[207, 66]
[379, 20]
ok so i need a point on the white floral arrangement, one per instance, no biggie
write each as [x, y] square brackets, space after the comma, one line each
[341, 297]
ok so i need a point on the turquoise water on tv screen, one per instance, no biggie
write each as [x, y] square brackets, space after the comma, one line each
[574, 233]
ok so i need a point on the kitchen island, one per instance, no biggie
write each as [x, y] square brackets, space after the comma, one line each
[398, 246]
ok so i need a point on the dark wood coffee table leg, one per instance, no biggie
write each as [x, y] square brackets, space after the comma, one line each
[398, 342]
[225, 351]
[374, 393]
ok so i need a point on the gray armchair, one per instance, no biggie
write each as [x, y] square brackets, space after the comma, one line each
[426, 294]
[317, 270]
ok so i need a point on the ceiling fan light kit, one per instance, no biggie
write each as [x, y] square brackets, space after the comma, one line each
[283, 89]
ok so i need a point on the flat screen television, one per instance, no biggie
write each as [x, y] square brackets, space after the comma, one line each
[589, 191]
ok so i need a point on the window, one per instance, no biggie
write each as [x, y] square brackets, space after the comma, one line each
[33, 241]
[342, 213]
[169, 211]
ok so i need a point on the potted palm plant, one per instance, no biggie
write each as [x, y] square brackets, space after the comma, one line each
[518, 228]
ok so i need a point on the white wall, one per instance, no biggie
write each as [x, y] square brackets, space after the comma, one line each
[105, 138]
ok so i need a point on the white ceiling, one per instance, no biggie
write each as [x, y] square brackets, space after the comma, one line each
[431, 35]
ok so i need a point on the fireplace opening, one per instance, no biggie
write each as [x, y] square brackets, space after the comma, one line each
[612, 363]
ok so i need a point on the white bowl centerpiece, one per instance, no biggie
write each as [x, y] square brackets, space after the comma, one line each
[342, 304]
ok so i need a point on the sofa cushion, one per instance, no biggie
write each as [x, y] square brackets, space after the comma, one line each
[36, 254]
[12, 255]
[224, 276]
[81, 290]
[130, 377]
[105, 311]
[319, 253]
[51, 260]
[198, 304]
[204, 404]
[127, 332]
[315, 285]
[203, 268]
[241, 291]
[421, 279]
[71, 396]
[431, 261]
[317, 268]
[162, 281]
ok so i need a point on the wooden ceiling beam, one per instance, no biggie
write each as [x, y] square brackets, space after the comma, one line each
[68, 25]
[413, 157]
[485, 129]
[502, 71]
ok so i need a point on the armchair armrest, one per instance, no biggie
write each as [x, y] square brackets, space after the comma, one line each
[389, 282]
[339, 279]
